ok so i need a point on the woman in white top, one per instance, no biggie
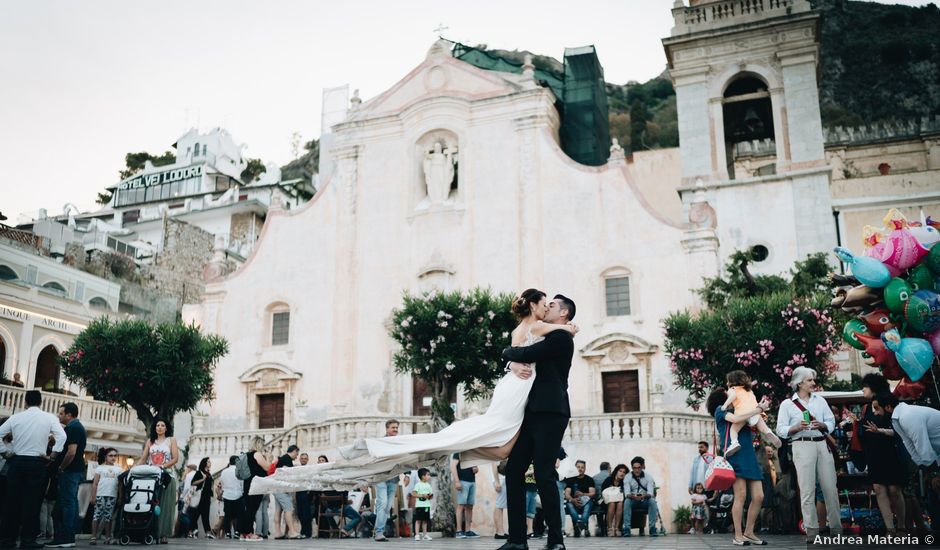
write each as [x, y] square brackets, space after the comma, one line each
[162, 451]
[480, 439]
[104, 491]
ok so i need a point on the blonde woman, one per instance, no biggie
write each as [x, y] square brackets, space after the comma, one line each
[258, 463]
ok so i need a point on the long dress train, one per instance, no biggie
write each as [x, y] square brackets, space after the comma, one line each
[371, 460]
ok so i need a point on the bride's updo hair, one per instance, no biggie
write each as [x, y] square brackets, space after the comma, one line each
[520, 306]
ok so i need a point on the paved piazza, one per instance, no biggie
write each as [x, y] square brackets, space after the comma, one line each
[487, 543]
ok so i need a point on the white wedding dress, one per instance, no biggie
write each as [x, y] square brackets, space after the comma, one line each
[377, 459]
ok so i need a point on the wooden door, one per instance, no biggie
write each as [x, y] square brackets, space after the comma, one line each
[270, 411]
[621, 391]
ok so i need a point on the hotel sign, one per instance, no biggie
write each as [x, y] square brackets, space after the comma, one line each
[170, 176]
[39, 320]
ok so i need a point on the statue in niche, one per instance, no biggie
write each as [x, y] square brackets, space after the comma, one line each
[439, 171]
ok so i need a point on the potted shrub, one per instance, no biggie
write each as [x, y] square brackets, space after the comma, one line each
[682, 518]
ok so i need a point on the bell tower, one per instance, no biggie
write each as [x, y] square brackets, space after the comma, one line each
[745, 74]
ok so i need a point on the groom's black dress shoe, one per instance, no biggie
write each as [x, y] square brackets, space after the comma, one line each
[556, 546]
[513, 546]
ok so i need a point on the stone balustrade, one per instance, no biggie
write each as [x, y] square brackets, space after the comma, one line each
[320, 437]
[102, 420]
[729, 12]
[884, 131]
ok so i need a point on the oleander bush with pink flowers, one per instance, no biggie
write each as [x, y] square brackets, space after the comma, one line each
[766, 330]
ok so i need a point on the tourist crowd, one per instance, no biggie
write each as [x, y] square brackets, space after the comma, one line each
[44, 466]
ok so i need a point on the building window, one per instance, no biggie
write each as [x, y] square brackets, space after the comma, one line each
[270, 411]
[617, 294]
[98, 303]
[280, 328]
[196, 150]
[621, 391]
[56, 287]
[7, 273]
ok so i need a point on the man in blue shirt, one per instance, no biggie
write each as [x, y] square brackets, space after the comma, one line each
[71, 473]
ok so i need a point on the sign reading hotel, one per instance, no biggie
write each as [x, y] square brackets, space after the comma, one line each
[160, 178]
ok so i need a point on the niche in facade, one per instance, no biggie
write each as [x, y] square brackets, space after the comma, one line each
[439, 182]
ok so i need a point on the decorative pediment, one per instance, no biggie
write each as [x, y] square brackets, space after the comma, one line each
[440, 75]
[268, 374]
[617, 348]
[436, 265]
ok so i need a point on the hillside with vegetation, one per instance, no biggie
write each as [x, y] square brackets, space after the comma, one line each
[880, 63]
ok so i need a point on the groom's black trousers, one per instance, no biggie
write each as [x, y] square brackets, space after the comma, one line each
[539, 442]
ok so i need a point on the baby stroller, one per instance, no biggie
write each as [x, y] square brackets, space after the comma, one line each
[719, 514]
[139, 509]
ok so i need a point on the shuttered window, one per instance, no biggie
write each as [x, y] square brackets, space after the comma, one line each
[280, 328]
[618, 296]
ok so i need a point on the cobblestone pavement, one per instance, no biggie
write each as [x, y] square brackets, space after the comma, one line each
[669, 542]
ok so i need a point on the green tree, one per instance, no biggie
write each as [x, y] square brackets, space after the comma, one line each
[452, 340]
[135, 162]
[764, 325]
[639, 116]
[253, 169]
[104, 197]
[157, 370]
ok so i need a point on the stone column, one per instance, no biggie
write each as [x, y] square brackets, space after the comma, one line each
[803, 121]
[529, 241]
[343, 361]
[700, 242]
[695, 127]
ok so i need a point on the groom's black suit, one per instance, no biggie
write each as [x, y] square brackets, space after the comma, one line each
[544, 425]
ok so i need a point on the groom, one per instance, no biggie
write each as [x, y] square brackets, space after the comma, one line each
[544, 424]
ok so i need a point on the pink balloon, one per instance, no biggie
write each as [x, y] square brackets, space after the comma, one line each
[934, 339]
[878, 252]
[900, 250]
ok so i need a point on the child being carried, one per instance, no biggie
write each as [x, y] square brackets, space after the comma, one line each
[742, 398]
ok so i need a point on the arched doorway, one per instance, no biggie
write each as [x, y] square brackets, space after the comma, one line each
[47, 369]
[749, 125]
[3, 359]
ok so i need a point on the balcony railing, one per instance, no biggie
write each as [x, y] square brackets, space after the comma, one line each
[728, 12]
[101, 420]
[320, 437]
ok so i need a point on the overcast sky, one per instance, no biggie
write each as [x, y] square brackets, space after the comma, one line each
[84, 83]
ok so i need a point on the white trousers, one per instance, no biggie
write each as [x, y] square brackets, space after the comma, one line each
[814, 464]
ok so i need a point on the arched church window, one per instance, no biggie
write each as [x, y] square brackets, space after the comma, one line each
[749, 127]
[196, 150]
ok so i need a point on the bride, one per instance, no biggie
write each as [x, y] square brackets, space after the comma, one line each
[479, 439]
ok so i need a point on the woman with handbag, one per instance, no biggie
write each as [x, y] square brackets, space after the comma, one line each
[748, 475]
[886, 471]
[612, 493]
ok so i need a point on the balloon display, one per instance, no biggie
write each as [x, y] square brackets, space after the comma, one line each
[869, 271]
[896, 294]
[913, 354]
[922, 311]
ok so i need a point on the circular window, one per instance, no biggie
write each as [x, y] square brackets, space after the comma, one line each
[759, 253]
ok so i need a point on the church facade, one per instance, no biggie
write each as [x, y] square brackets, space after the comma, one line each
[455, 178]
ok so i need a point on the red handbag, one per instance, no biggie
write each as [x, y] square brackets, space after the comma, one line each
[720, 475]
